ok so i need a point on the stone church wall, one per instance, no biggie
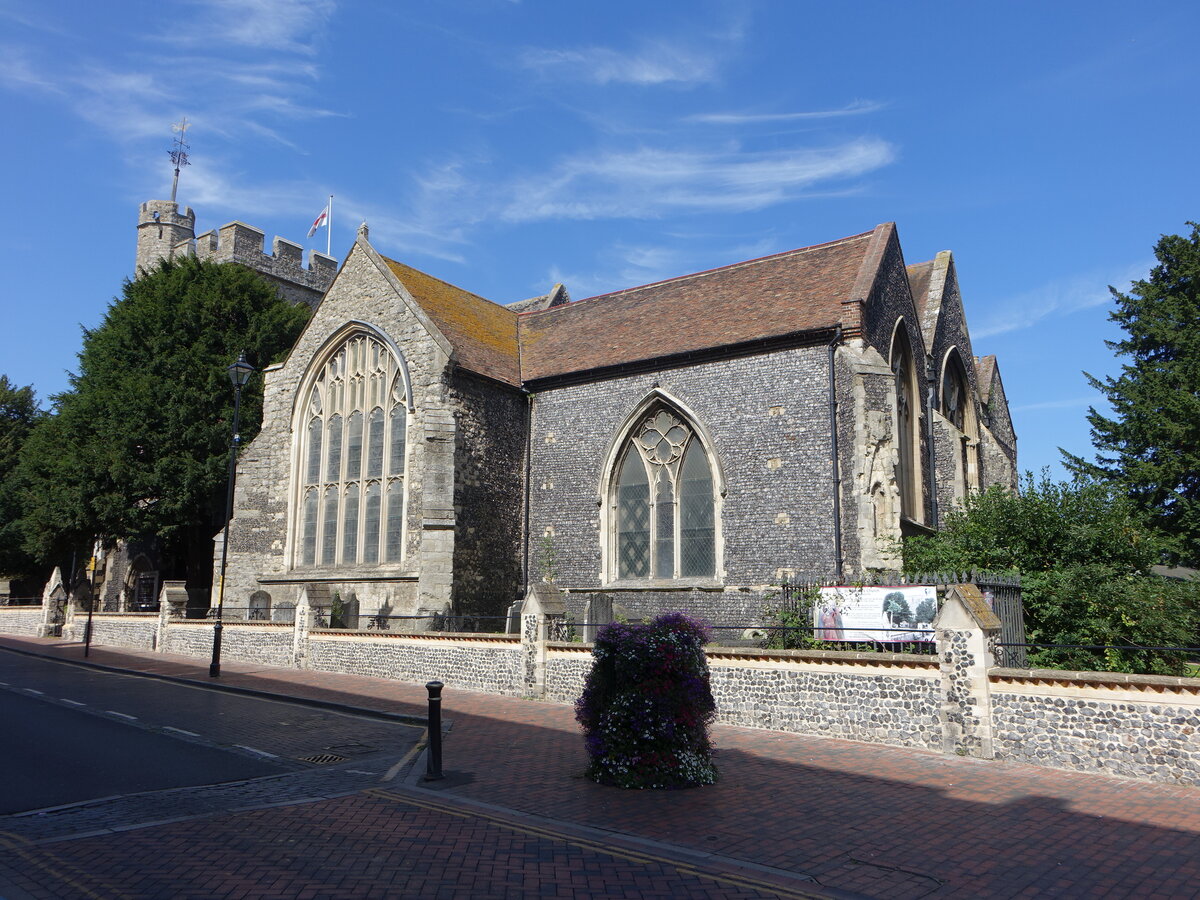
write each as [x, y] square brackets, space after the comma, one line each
[768, 419]
[259, 539]
[489, 494]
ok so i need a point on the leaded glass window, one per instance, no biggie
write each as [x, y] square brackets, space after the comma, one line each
[357, 418]
[907, 419]
[664, 503]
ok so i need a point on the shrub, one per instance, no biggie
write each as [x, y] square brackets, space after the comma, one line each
[647, 705]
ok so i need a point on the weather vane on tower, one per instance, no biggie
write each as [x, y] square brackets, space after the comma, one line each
[179, 152]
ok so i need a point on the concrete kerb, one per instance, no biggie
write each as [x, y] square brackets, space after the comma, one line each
[332, 706]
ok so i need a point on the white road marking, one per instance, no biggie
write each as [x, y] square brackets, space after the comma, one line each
[258, 752]
[113, 712]
[180, 731]
[72, 702]
[32, 691]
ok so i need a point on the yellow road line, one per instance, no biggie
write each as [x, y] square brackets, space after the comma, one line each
[416, 748]
[634, 856]
[45, 862]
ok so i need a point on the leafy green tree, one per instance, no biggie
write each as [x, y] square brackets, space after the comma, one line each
[19, 413]
[139, 445]
[896, 608]
[1151, 444]
[1084, 551]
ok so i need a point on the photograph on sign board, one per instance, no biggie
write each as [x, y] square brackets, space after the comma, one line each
[886, 614]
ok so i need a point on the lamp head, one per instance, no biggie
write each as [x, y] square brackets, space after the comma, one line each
[240, 371]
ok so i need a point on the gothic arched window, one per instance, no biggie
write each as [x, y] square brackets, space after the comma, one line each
[908, 416]
[663, 503]
[959, 411]
[351, 503]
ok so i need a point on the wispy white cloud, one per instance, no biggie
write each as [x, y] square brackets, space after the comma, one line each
[292, 26]
[655, 62]
[626, 265]
[1060, 297]
[649, 182]
[1069, 403]
[248, 67]
[857, 108]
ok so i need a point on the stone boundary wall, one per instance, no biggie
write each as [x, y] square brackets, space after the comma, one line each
[192, 639]
[879, 698]
[493, 664]
[136, 630]
[20, 619]
[958, 701]
[1137, 726]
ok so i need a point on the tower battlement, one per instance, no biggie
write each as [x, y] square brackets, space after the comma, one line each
[166, 233]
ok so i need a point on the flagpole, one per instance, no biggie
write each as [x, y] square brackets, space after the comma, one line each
[329, 229]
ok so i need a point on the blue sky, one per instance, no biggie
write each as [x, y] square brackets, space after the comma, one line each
[504, 146]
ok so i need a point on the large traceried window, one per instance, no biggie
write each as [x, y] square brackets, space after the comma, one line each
[352, 459]
[663, 507]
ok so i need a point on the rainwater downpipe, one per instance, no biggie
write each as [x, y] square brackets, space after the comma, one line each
[834, 461]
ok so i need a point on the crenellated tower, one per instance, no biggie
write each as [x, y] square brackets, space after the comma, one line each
[161, 230]
[166, 233]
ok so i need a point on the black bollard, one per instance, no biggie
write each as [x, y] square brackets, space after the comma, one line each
[433, 768]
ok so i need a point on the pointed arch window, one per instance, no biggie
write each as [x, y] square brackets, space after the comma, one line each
[353, 457]
[908, 475]
[959, 411]
[663, 504]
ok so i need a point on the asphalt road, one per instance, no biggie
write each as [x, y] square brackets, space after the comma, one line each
[69, 734]
[55, 755]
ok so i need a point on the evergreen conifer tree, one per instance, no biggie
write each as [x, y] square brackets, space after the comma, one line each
[1150, 446]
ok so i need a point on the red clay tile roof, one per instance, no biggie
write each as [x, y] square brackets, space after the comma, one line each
[793, 292]
[483, 334]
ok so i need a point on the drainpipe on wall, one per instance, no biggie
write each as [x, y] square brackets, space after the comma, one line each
[834, 461]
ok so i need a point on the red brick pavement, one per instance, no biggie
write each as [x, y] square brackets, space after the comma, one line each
[878, 821]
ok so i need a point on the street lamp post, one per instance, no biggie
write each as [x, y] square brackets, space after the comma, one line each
[239, 374]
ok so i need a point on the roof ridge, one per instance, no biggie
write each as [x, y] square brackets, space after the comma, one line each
[679, 278]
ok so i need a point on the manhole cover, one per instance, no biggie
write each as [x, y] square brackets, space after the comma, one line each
[323, 758]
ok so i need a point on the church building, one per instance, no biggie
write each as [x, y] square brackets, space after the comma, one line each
[686, 444]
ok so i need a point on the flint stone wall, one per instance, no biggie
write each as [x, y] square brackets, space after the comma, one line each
[20, 619]
[136, 630]
[1143, 729]
[260, 642]
[890, 699]
[491, 665]
[189, 639]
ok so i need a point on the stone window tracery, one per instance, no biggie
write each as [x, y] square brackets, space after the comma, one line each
[958, 411]
[663, 508]
[908, 476]
[351, 506]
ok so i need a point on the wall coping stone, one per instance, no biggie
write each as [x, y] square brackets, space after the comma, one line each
[470, 637]
[902, 660]
[1107, 679]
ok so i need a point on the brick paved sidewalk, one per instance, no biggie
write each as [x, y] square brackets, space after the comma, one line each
[877, 821]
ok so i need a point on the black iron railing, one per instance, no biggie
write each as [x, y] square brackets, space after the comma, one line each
[1124, 658]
